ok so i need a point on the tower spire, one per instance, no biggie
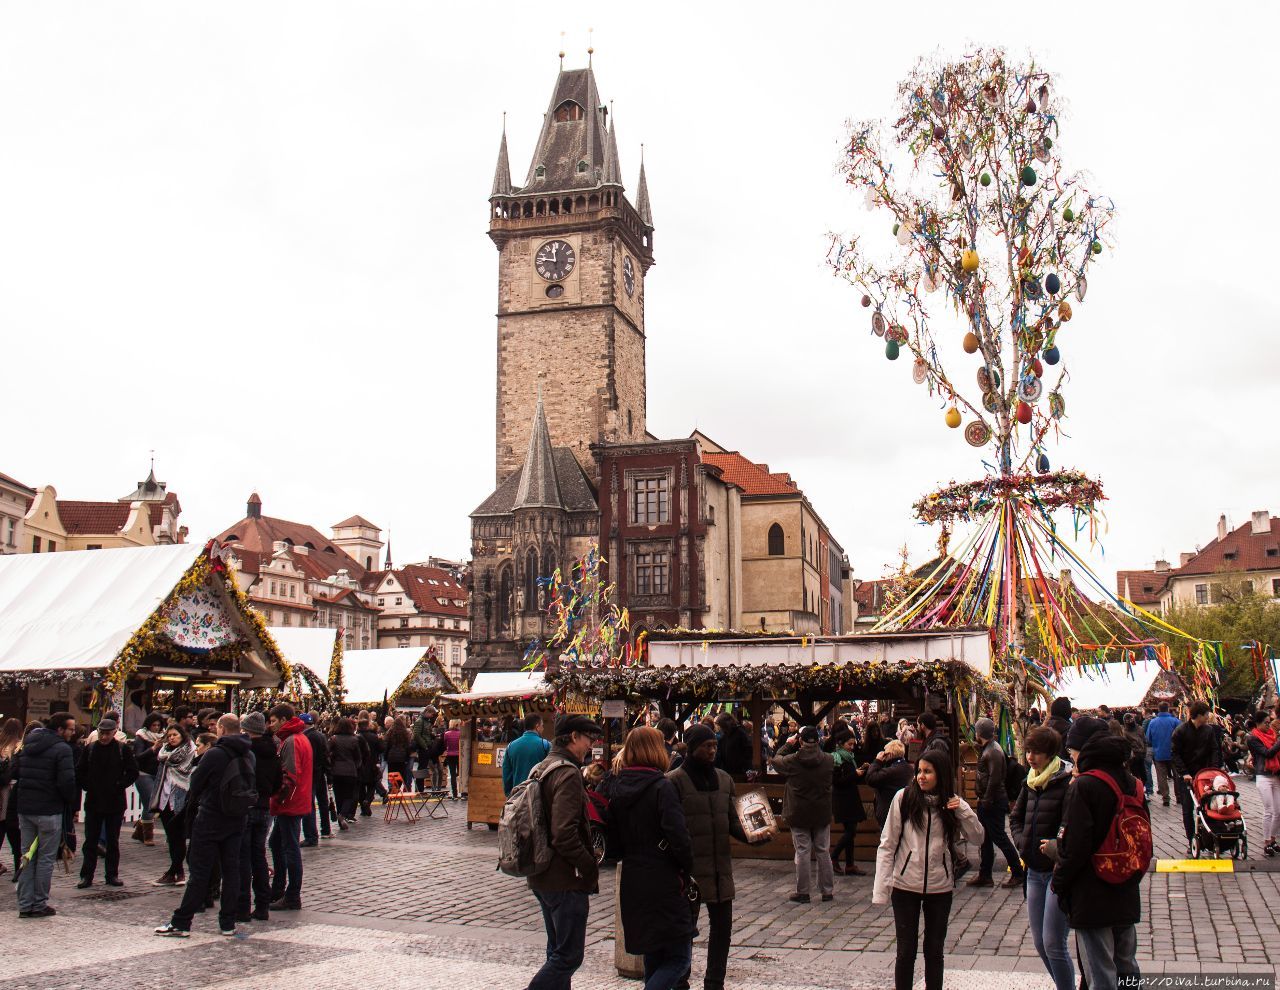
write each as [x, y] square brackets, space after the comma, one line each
[538, 484]
[642, 195]
[611, 174]
[388, 566]
[502, 173]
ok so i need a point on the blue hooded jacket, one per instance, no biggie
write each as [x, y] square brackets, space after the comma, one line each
[1160, 735]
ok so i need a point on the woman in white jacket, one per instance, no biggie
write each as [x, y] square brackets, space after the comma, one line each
[913, 865]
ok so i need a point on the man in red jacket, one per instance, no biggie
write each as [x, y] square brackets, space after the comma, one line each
[289, 806]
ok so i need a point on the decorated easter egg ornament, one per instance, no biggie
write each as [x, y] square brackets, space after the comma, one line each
[891, 350]
[969, 260]
[1042, 464]
[1064, 311]
[1051, 355]
[971, 343]
[1096, 247]
[1068, 214]
[1052, 284]
[985, 178]
[953, 418]
[866, 301]
[1024, 413]
[1028, 175]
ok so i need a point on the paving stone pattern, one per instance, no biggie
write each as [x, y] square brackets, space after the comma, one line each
[422, 906]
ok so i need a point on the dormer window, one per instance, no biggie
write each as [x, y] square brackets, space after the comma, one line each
[568, 110]
[1230, 555]
[540, 171]
[582, 167]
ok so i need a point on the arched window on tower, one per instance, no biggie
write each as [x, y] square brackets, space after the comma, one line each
[777, 541]
[531, 580]
[504, 599]
[568, 110]
[548, 569]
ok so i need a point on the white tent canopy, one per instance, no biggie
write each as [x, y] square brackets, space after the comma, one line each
[504, 684]
[1117, 685]
[77, 609]
[371, 674]
[310, 648]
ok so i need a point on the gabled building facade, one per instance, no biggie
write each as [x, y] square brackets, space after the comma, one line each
[422, 607]
[146, 517]
[15, 500]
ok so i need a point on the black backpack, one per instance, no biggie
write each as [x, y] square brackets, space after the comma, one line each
[238, 788]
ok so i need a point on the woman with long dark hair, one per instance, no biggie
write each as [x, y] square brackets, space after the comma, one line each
[399, 743]
[174, 765]
[914, 871]
[146, 744]
[345, 760]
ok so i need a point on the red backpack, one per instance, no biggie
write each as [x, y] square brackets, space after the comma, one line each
[1127, 848]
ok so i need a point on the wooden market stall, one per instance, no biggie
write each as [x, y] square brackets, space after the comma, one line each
[505, 697]
[91, 630]
[946, 672]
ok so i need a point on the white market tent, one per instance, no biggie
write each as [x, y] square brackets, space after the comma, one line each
[76, 610]
[503, 684]
[310, 648]
[1117, 685]
[372, 675]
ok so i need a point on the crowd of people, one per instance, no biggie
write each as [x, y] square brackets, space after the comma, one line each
[238, 799]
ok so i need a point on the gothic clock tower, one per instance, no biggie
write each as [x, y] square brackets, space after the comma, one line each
[573, 252]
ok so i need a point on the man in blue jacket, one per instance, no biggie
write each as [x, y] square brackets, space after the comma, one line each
[524, 754]
[45, 788]
[1160, 738]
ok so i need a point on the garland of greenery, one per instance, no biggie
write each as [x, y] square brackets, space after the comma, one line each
[337, 679]
[970, 499]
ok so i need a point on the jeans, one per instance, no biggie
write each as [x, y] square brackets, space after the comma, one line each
[564, 913]
[320, 803]
[145, 785]
[286, 858]
[437, 775]
[1049, 928]
[808, 841]
[255, 878]
[1109, 953]
[1147, 764]
[345, 790]
[94, 824]
[665, 967]
[452, 763]
[1164, 770]
[215, 842]
[175, 835]
[906, 922]
[994, 834]
[34, 881]
[719, 939]
[1269, 790]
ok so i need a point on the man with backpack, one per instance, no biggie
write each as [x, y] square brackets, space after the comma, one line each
[545, 836]
[223, 790]
[1103, 850]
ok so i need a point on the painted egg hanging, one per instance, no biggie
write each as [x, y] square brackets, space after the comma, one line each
[953, 418]
[1037, 368]
[969, 260]
[904, 233]
[985, 178]
[1068, 214]
[1052, 284]
[1057, 405]
[1028, 176]
[878, 323]
[866, 301]
[1064, 311]
[1042, 464]
[1051, 355]
[919, 372]
[977, 433]
[970, 343]
[1081, 288]
[870, 200]
[1096, 247]
[896, 333]
[1042, 153]
[1031, 288]
[1024, 413]
[990, 401]
[891, 350]
[1046, 142]
[985, 384]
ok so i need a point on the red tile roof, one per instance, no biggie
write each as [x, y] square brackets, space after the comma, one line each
[92, 518]
[1249, 550]
[1144, 587]
[16, 483]
[752, 478]
[356, 521]
[262, 533]
[416, 580]
[347, 598]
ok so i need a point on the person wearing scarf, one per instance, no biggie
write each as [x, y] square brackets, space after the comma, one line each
[174, 764]
[1035, 820]
[1264, 747]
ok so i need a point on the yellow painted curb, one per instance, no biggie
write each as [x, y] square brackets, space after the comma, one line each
[1195, 866]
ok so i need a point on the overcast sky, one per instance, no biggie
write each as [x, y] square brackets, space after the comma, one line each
[251, 237]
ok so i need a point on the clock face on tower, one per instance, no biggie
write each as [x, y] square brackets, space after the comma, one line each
[554, 260]
[628, 276]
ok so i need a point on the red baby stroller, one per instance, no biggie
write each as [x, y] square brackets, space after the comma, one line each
[1219, 823]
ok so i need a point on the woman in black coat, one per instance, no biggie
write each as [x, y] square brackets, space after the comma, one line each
[346, 758]
[647, 821]
[889, 774]
[846, 800]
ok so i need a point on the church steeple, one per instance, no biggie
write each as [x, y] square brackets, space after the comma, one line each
[502, 173]
[538, 485]
[642, 197]
[570, 151]
[612, 173]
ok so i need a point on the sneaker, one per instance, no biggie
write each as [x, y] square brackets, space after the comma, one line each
[828, 897]
[979, 881]
[168, 931]
[799, 898]
[44, 912]
[227, 932]
[837, 869]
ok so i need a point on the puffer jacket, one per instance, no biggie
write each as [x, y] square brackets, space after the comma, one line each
[712, 820]
[888, 779]
[45, 777]
[1037, 815]
[806, 802]
[919, 859]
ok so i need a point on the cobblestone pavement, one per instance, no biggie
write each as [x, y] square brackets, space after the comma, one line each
[422, 906]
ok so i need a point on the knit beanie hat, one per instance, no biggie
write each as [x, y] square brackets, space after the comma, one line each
[254, 724]
[696, 735]
[1083, 729]
[1061, 708]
